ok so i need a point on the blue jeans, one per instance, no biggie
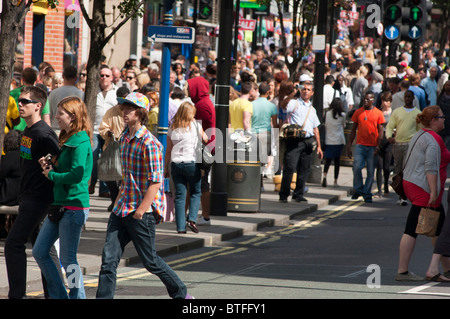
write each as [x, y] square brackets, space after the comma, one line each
[184, 175]
[122, 230]
[363, 156]
[68, 230]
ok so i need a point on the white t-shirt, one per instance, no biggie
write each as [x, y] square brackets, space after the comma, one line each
[185, 142]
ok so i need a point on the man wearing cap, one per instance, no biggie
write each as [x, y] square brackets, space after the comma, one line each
[140, 203]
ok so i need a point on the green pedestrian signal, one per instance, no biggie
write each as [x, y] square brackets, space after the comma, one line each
[393, 12]
[205, 9]
[415, 14]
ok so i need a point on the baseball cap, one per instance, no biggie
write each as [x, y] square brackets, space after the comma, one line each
[305, 78]
[136, 99]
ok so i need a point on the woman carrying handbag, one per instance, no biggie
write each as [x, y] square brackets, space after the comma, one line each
[423, 181]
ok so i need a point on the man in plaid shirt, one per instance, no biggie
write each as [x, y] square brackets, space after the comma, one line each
[140, 202]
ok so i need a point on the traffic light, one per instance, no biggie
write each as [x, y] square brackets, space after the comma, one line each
[393, 20]
[205, 9]
[417, 16]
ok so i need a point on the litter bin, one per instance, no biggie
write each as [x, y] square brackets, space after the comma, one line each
[243, 173]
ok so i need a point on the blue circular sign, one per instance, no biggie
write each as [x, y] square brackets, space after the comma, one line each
[391, 32]
[414, 32]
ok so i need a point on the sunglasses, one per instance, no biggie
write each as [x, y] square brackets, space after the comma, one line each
[82, 74]
[130, 77]
[440, 117]
[104, 75]
[26, 101]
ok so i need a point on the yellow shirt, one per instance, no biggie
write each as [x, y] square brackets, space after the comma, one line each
[153, 120]
[237, 109]
[12, 115]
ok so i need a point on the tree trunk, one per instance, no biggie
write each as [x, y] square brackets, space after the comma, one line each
[10, 24]
[97, 26]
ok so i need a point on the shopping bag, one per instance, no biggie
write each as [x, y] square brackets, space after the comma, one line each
[109, 164]
[427, 222]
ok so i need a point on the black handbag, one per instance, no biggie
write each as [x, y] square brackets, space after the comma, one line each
[294, 131]
[55, 213]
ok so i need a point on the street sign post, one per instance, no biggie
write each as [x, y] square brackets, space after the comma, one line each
[170, 34]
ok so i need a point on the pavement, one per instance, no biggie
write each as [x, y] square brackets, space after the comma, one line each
[169, 242]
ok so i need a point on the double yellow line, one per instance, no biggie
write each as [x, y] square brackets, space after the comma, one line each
[258, 240]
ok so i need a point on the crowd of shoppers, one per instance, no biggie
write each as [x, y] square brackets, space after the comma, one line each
[388, 110]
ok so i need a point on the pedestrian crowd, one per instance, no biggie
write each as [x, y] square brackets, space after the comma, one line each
[63, 154]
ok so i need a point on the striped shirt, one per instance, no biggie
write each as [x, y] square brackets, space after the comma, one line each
[142, 163]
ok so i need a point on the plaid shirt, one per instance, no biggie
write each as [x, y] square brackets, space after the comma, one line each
[142, 163]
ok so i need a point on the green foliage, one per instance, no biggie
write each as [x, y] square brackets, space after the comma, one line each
[126, 7]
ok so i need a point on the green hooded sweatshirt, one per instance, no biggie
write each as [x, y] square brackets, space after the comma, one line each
[72, 172]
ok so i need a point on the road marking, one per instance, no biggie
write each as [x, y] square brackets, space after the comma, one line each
[259, 239]
[419, 290]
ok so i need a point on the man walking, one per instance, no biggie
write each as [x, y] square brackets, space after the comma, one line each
[106, 99]
[297, 157]
[140, 203]
[368, 122]
[36, 191]
[399, 131]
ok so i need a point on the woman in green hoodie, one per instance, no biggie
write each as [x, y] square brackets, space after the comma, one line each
[70, 173]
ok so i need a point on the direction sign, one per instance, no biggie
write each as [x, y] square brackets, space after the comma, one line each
[391, 32]
[169, 34]
[414, 32]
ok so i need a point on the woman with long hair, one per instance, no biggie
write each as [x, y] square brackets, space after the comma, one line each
[70, 172]
[182, 149]
[334, 138]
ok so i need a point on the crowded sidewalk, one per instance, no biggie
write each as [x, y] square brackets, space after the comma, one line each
[169, 242]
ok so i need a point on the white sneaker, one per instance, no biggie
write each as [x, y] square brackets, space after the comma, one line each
[402, 202]
[201, 221]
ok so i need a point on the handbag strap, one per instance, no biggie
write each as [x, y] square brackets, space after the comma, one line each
[412, 149]
[307, 114]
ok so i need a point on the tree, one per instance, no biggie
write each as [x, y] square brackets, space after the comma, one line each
[129, 9]
[444, 23]
[12, 18]
[304, 14]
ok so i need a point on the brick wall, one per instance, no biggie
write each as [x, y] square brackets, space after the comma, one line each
[53, 38]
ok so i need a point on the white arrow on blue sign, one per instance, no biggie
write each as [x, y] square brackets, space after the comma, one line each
[391, 32]
[414, 32]
[169, 34]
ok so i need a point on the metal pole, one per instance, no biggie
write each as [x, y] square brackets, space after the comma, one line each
[319, 70]
[219, 193]
[236, 31]
[163, 116]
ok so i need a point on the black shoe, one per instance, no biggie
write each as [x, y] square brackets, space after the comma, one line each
[355, 196]
[300, 199]
[282, 200]
[324, 182]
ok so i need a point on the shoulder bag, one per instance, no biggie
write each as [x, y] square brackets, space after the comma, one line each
[397, 180]
[295, 131]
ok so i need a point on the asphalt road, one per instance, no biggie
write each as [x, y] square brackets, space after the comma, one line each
[346, 250]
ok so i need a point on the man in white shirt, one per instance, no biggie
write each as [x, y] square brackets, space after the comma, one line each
[298, 152]
[106, 99]
[68, 89]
